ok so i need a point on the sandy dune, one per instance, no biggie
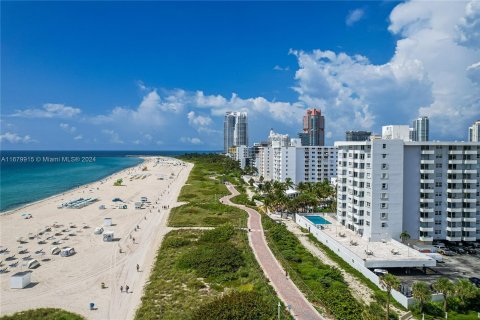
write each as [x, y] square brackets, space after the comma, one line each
[71, 283]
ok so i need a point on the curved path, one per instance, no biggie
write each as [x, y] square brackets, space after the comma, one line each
[287, 291]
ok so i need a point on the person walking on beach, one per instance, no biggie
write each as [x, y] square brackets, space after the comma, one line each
[121, 288]
[126, 288]
[133, 240]
[286, 274]
[138, 268]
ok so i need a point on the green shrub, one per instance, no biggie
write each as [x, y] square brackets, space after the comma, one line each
[212, 259]
[244, 305]
[43, 314]
[175, 242]
[218, 235]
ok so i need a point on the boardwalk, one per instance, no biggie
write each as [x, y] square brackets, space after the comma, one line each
[287, 291]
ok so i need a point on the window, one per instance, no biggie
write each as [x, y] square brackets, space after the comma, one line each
[384, 215]
[384, 186]
[384, 176]
[438, 222]
[384, 146]
[384, 166]
[384, 225]
[384, 155]
[438, 231]
[384, 196]
[438, 165]
[438, 184]
[383, 205]
[368, 223]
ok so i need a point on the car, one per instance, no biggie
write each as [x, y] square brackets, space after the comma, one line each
[470, 250]
[457, 250]
[446, 252]
[475, 281]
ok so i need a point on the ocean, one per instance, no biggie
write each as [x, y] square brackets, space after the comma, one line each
[28, 176]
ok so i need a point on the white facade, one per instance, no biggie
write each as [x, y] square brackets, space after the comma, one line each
[429, 189]
[474, 132]
[235, 130]
[396, 132]
[420, 129]
[241, 154]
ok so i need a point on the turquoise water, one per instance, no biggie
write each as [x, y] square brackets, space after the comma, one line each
[317, 220]
[28, 176]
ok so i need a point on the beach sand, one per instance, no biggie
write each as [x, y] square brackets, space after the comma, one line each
[72, 283]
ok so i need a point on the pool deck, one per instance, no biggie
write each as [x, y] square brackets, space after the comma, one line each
[381, 254]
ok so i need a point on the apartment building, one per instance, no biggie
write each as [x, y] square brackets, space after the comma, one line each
[429, 189]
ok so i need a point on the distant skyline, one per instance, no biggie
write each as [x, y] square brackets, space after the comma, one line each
[161, 75]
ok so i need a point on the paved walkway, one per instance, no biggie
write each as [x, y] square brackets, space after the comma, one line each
[287, 291]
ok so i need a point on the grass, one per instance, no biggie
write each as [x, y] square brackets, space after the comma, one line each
[379, 294]
[322, 285]
[185, 281]
[201, 194]
[174, 292]
[43, 314]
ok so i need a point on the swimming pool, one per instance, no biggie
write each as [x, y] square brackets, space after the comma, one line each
[317, 220]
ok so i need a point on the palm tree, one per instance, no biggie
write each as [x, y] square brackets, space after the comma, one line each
[445, 287]
[421, 292]
[464, 289]
[288, 183]
[404, 236]
[389, 282]
[261, 179]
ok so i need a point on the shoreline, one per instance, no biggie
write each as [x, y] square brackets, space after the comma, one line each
[29, 204]
[71, 283]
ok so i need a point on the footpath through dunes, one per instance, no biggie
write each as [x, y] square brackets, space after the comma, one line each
[301, 308]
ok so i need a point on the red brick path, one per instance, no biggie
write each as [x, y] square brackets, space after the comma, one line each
[287, 291]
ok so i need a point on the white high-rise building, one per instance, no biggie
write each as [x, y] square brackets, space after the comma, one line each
[235, 130]
[420, 129]
[474, 132]
[429, 189]
[396, 132]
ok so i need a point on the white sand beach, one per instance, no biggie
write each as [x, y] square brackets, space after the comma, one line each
[72, 283]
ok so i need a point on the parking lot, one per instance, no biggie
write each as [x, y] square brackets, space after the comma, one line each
[452, 267]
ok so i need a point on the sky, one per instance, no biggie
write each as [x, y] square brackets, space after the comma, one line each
[161, 75]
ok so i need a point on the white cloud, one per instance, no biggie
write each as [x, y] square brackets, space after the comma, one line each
[354, 16]
[79, 137]
[468, 28]
[14, 138]
[191, 140]
[66, 127]
[114, 136]
[49, 110]
[429, 74]
[279, 68]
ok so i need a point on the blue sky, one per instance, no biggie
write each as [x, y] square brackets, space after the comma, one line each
[160, 75]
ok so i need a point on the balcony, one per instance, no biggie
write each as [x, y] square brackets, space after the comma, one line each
[427, 219]
[455, 161]
[426, 229]
[427, 171]
[469, 219]
[425, 161]
[471, 161]
[456, 171]
[428, 152]
[454, 238]
[470, 229]
[474, 152]
[426, 238]
[454, 229]
[470, 171]
[454, 190]
[455, 151]
[470, 190]
[454, 210]
[427, 210]
[470, 200]
[428, 190]
[469, 180]
[455, 200]
[469, 238]
[470, 210]
[427, 181]
[454, 180]
[427, 200]
[456, 218]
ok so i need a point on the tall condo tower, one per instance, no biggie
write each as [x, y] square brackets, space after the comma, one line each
[235, 130]
[474, 132]
[313, 128]
[421, 129]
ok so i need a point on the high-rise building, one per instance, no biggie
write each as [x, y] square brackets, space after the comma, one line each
[420, 129]
[313, 129]
[428, 189]
[357, 135]
[474, 132]
[235, 130]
